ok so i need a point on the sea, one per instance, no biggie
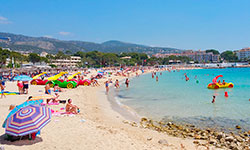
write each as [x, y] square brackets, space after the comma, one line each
[173, 98]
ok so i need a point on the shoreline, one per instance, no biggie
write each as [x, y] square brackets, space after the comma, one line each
[98, 126]
[182, 129]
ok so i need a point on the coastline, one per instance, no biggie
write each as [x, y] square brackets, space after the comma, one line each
[185, 129]
[98, 126]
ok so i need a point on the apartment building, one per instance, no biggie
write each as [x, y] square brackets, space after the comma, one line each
[199, 56]
[68, 62]
[243, 53]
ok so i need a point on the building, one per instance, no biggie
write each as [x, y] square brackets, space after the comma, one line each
[243, 53]
[43, 54]
[199, 56]
[68, 62]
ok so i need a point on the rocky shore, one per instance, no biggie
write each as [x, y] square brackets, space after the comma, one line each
[203, 137]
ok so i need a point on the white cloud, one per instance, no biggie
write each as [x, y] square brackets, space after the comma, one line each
[4, 20]
[48, 36]
[64, 33]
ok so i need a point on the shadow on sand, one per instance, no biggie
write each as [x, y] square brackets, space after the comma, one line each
[18, 142]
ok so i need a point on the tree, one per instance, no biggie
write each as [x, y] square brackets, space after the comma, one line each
[60, 55]
[229, 56]
[33, 57]
[215, 52]
[44, 59]
[68, 52]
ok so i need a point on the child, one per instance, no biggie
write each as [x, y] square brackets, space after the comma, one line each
[117, 84]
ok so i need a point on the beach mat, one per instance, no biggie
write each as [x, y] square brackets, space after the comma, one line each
[10, 93]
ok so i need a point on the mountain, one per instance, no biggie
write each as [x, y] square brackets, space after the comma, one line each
[38, 44]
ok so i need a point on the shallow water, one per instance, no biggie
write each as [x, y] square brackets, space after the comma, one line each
[173, 98]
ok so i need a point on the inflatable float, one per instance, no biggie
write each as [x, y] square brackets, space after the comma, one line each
[85, 82]
[216, 85]
[37, 81]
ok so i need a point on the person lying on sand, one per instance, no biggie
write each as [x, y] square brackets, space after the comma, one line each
[70, 108]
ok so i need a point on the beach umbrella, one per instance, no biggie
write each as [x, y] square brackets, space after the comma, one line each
[23, 78]
[28, 120]
[25, 104]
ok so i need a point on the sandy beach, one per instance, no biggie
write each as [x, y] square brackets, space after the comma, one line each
[98, 126]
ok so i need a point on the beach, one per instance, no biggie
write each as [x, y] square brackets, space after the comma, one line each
[98, 126]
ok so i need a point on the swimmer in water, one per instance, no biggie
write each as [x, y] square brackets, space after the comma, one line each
[213, 101]
[127, 82]
[156, 78]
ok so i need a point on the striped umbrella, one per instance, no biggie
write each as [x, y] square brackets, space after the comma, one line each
[28, 120]
[25, 104]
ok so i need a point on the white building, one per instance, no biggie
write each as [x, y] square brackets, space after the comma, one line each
[43, 54]
[243, 53]
[71, 62]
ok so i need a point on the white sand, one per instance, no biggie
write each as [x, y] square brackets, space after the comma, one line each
[103, 127]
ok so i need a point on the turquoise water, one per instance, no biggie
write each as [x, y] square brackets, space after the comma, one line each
[188, 101]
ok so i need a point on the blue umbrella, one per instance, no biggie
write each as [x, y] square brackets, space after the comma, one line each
[23, 78]
[25, 104]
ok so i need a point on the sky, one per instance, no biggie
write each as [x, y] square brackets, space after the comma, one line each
[184, 24]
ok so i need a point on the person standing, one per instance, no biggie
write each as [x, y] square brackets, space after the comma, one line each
[213, 101]
[127, 82]
[25, 87]
[107, 86]
[2, 89]
[20, 87]
[117, 84]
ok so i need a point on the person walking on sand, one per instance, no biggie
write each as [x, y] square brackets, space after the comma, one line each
[107, 86]
[2, 89]
[127, 82]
